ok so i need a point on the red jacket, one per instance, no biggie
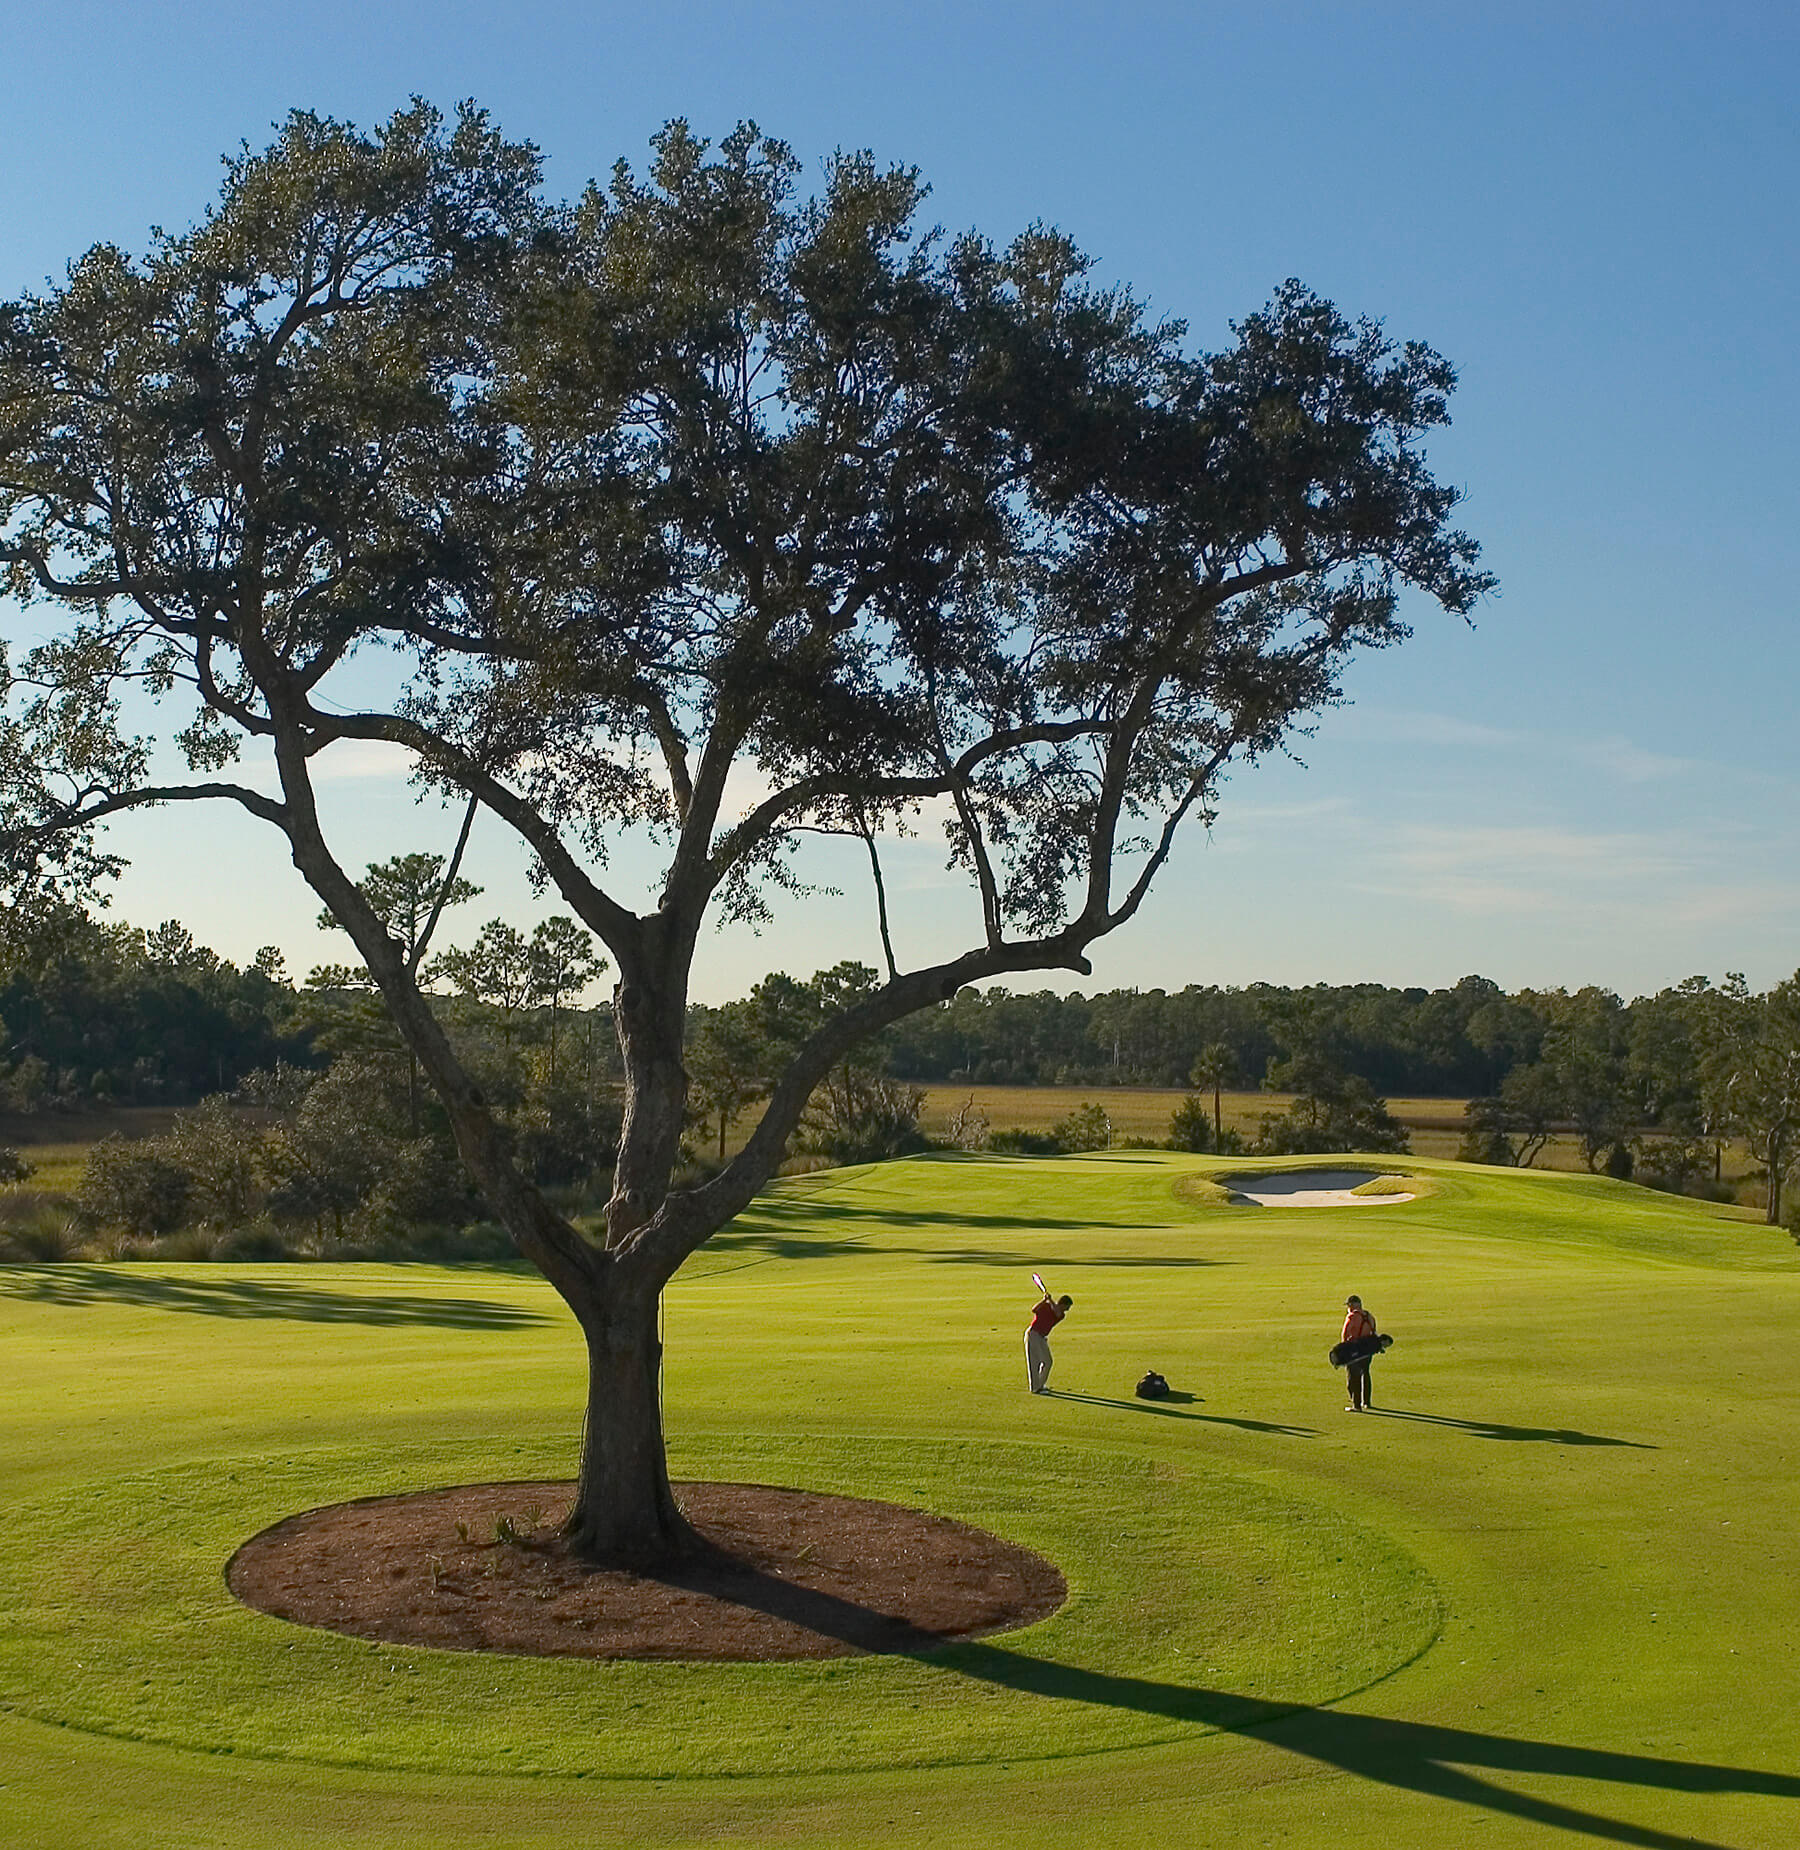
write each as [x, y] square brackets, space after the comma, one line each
[1358, 1323]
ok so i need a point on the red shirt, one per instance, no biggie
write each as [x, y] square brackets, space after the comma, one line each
[1046, 1317]
[1358, 1323]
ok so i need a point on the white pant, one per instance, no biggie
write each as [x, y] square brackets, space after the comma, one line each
[1037, 1360]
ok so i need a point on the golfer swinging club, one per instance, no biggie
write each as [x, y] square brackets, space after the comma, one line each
[1048, 1313]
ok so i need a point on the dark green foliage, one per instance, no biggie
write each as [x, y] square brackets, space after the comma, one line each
[1191, 1125]
[1486, 1139]
[1679, 1162]
[1025, 1143]
[14, 1167]
[347, 1165]
[857, 1116]
[564, 1128]
[99, 1013]
[1457, 1041]
[133, 1187]
[1751, 1075]
[225, 1159]
[1332, 1112]
[258, 1245]
[1087, 1127]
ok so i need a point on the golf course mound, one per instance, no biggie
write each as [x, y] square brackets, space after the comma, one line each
[1194, 1594]
[784, 1574]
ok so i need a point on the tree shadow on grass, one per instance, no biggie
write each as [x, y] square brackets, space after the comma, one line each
[1169, 1412]
[1488, 1429]
[797, 1246]
[860, 1627]
[255, 1298]
[1412, 1756]
[812, 1211]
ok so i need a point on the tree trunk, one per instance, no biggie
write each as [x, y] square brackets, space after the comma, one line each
[650, 1026]
[625, 1512]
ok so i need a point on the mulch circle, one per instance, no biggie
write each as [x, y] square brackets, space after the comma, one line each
[788, 1574]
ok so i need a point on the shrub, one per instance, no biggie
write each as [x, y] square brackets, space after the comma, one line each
[858, 1117]
[1485, 1145]
[14, 1168]
[114, 1243]
[1025, 1143]
[255, 1245]
[133, 1188]
[44, 1241]
[1676, 1162]
[482, 1240]
[1087, 1127]
[225, 1157]
[194, 1245]
[1191, 1126]
[1345, 1116]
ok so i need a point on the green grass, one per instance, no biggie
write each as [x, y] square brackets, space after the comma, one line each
[1393, 1185]
[1545, 1595]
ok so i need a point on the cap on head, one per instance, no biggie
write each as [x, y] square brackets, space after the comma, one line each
[1064, 1302]
[1353, 1303]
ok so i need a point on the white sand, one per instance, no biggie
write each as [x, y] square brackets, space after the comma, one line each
[1310, 1188]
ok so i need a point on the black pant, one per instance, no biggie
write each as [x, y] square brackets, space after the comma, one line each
[1358, 1372]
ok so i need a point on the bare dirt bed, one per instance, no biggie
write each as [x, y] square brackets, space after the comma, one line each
[787, 1574]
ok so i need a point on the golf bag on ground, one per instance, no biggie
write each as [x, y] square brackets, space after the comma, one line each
[1152, 1387]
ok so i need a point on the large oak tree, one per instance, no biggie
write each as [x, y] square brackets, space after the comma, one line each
[697, 485]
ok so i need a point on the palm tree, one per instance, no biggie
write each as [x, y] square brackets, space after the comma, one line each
[1214, 1070]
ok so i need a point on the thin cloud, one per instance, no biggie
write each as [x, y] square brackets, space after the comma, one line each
[1613, 754]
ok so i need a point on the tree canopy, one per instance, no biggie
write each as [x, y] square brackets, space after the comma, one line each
[694, 487]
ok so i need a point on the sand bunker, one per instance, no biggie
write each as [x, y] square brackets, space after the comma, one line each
[1309, 1188]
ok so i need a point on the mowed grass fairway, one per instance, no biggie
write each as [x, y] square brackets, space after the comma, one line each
[1548, 1593]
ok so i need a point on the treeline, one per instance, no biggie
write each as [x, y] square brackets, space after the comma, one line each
[1654, 1085]
[93, 1014]
[1456, 1042]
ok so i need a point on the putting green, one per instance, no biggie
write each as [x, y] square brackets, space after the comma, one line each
[1544, 1590]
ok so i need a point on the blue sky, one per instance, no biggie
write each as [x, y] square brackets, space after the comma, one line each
[1590, 209]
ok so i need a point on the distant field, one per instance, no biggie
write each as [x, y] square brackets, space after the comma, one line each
[1436, 1124]
[58, 1166]
[58, 1145]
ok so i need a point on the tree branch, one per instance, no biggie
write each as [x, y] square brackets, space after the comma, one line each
[686, 1219]
[76, 817]
[597, 909]
[443, 895]
[881, 910]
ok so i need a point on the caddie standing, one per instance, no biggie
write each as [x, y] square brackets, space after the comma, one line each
[1357, 1322]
